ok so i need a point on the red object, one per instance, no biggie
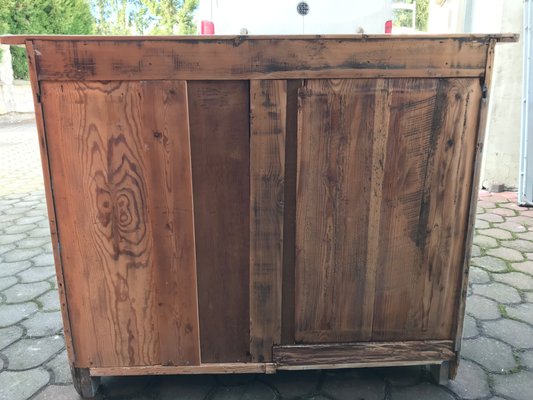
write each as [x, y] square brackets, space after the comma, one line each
[207, 28]
[388, 26]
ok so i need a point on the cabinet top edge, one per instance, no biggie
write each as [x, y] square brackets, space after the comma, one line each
[500, 37]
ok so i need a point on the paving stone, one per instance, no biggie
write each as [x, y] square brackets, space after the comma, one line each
[30, 220]
[516, 279]
[39, 232]
[486, 204]
[19, 229]
[489, 263]
[526, 358]
[58, 393]
[490, 217]
[43, 260]
[10, 218]
[252, 391]
[482, 308]
[517, 386]
[511, 226]
[529, 297]
[49, 301]
[401, 376]
[43, 324]
[480, 224]
[526, 235]
[20, 254]
[359, 384]
[32, 242]
[469, 327]
[423, 391]
[525, 267]
[517, 334]
[506, 254]
[22, 384]
[125, 387]
[522, 311]
[12, 313]
[30, 353]
[475, 251]
[495, 356]
[518, 244]
[293, 383]
[498, 291]
[477, 275]
[9, 239]
[485, 242]
[36, 274]
[470, 382]
[13, 268]
[10, 335]
[4, 248]
[505, 212]
[7, 281]
[23, 292]
[60, 365]
[521, 219]
[497, 233]
[184, 387]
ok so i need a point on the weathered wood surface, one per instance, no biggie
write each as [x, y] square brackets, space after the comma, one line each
[276, 58]
[220, 147]
[122, 189]
[369, 352]
[209, 368]
[268, 106]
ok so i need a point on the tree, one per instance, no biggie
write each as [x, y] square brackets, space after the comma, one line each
[403, 18]
[43, 16]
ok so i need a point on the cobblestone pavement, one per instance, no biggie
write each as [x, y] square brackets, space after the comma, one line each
[497, 349]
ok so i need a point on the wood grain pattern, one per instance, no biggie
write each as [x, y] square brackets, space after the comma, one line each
[268, 105]
[429, 153]
[365, 352]
[209, 368]
[103, 155]
[335, 142]
[220, 145]
[270, 58]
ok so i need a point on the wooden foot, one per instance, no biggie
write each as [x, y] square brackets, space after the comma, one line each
[440, 372]
[85, 384]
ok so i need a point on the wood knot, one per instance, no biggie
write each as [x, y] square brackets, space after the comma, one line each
[157, 134]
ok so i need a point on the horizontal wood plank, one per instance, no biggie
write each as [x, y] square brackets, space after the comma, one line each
[364, 352]
[215, 368]
[274, 58]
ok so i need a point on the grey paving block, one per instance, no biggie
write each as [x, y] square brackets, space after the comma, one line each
[401, 376]
[252, 391]
[357, 384]
[517, 386]
[515, 279]
[480, 224]
[58, 393]
[482, 308]
[495, 356]
[485, 242]
[506, 254]
[21, 385]
[30, 220]
[43, 260]
[475, 251]
[23, 292]
[489, 263]
[7, 282]
[489, 217]
[49, 301]
[10, 314]
[469, 327]
[39, 232]
[525, 267]
[5, 248]
[526, 358]
[36, 274]
[423, 391]
[21, 254]
[477, 275]
[518, 244]
[498, 291]
[7, 269]
[19, 228]
[293, 383]
[10, 335]
[60, 365]
[517, 334]
[512, 227]
[10, 239]
[522, 311]
[498, 233]
[470, 382]
[43, 324]
[30, 353]
[32, 242]
[184, 387]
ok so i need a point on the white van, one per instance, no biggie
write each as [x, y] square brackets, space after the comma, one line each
[273, 17]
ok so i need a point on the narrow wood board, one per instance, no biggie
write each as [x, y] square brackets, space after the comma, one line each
[424, 207]
[366, 352]
[335, 142]
[103, 156]
[220, 146]
[275, 58]
[268, 105]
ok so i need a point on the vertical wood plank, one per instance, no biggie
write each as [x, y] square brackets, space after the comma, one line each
[335, 146]
[169, 187]
[268, 102]
[220, 146]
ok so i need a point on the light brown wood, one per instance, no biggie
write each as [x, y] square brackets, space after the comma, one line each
[218, 368]
[220, 145]
[429, 351]
[268, 105]
[105, 157]
[279, 58]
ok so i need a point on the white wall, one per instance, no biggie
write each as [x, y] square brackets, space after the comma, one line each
[501, 156]
[15, 96]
